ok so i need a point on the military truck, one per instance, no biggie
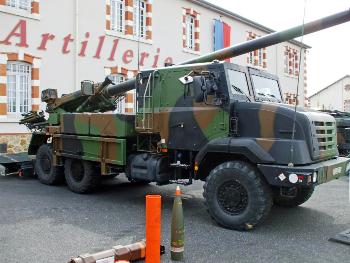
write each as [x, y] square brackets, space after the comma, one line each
[204, 120]
[343, 130]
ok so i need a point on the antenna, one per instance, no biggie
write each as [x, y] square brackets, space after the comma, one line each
[291, 164]
[138, 36]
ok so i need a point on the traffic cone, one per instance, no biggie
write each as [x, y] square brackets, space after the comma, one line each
[177, 228]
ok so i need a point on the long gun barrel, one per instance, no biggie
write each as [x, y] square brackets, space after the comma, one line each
[243, 48]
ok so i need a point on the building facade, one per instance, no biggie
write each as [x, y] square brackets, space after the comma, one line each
[57, 44]
[333, 97]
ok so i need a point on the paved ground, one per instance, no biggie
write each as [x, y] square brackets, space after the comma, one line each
[46, 224]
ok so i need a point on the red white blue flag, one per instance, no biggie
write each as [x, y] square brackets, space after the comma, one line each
[222, 35]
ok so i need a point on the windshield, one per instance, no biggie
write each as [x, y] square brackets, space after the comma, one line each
[266, 87]
[238, 81]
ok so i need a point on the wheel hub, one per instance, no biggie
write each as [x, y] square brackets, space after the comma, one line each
[232, 197]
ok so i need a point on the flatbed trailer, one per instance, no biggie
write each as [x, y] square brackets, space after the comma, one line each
[20, 164]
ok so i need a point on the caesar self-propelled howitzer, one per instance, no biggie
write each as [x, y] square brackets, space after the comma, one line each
[203, 119]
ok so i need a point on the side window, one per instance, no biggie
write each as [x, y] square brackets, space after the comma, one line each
[238, 82]
[18, 87]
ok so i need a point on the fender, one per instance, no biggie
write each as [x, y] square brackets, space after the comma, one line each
[38, 139]
[233, 145]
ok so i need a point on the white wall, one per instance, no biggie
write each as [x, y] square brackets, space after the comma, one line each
[332, 97]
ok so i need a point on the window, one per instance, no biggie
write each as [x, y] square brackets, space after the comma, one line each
[291, 61]
[256, 57]
[190, 31]
[117, 78]
[238, 80]
[20, 4]
[118, 15]
[266, 87]
[120, 102]
[139, 18]
[18, 87]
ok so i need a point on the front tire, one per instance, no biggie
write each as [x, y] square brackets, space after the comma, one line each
[236, 195]
[81, 176]
[47, 173]
[302, 195]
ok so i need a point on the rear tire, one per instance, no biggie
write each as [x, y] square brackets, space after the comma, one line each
[81, 176]
[236, 195]
[47, 173]
[303, 194]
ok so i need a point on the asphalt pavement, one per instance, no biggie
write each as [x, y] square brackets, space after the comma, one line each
[40, 223]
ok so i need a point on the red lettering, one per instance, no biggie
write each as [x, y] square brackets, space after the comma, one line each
[45, 38]
[114, 48]
[143, 56]
[84, 45]
[128, 55]
[156, 58]
[66, 42]
[99, 47]
[21, 34]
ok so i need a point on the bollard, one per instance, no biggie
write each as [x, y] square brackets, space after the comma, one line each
[153, 230]
[177, 228]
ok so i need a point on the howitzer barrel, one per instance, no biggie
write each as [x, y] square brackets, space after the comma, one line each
[243, 48]
[121, 87]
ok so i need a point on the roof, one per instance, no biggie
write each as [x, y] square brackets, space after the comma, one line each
[242, 19]
[346, 76]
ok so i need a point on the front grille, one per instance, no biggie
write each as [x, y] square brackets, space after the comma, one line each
[324, 142]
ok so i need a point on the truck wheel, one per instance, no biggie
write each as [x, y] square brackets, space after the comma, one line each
[236, 196]
[81, 176]
[303, 194]
[47, 173]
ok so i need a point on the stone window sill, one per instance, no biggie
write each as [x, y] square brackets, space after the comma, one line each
[128, 37]
[191, 51]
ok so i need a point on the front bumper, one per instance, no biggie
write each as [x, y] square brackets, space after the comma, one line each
[313, 174]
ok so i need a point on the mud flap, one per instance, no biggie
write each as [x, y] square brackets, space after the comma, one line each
[343, 237]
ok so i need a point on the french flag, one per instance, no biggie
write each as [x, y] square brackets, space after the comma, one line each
[222, 35]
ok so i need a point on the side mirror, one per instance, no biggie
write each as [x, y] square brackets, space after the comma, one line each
[87, 87]
[199, 88]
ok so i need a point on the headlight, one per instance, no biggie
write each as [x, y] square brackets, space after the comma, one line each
[293, 178]
[314, 177]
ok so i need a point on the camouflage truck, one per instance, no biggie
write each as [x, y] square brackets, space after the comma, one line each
[204, 119]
